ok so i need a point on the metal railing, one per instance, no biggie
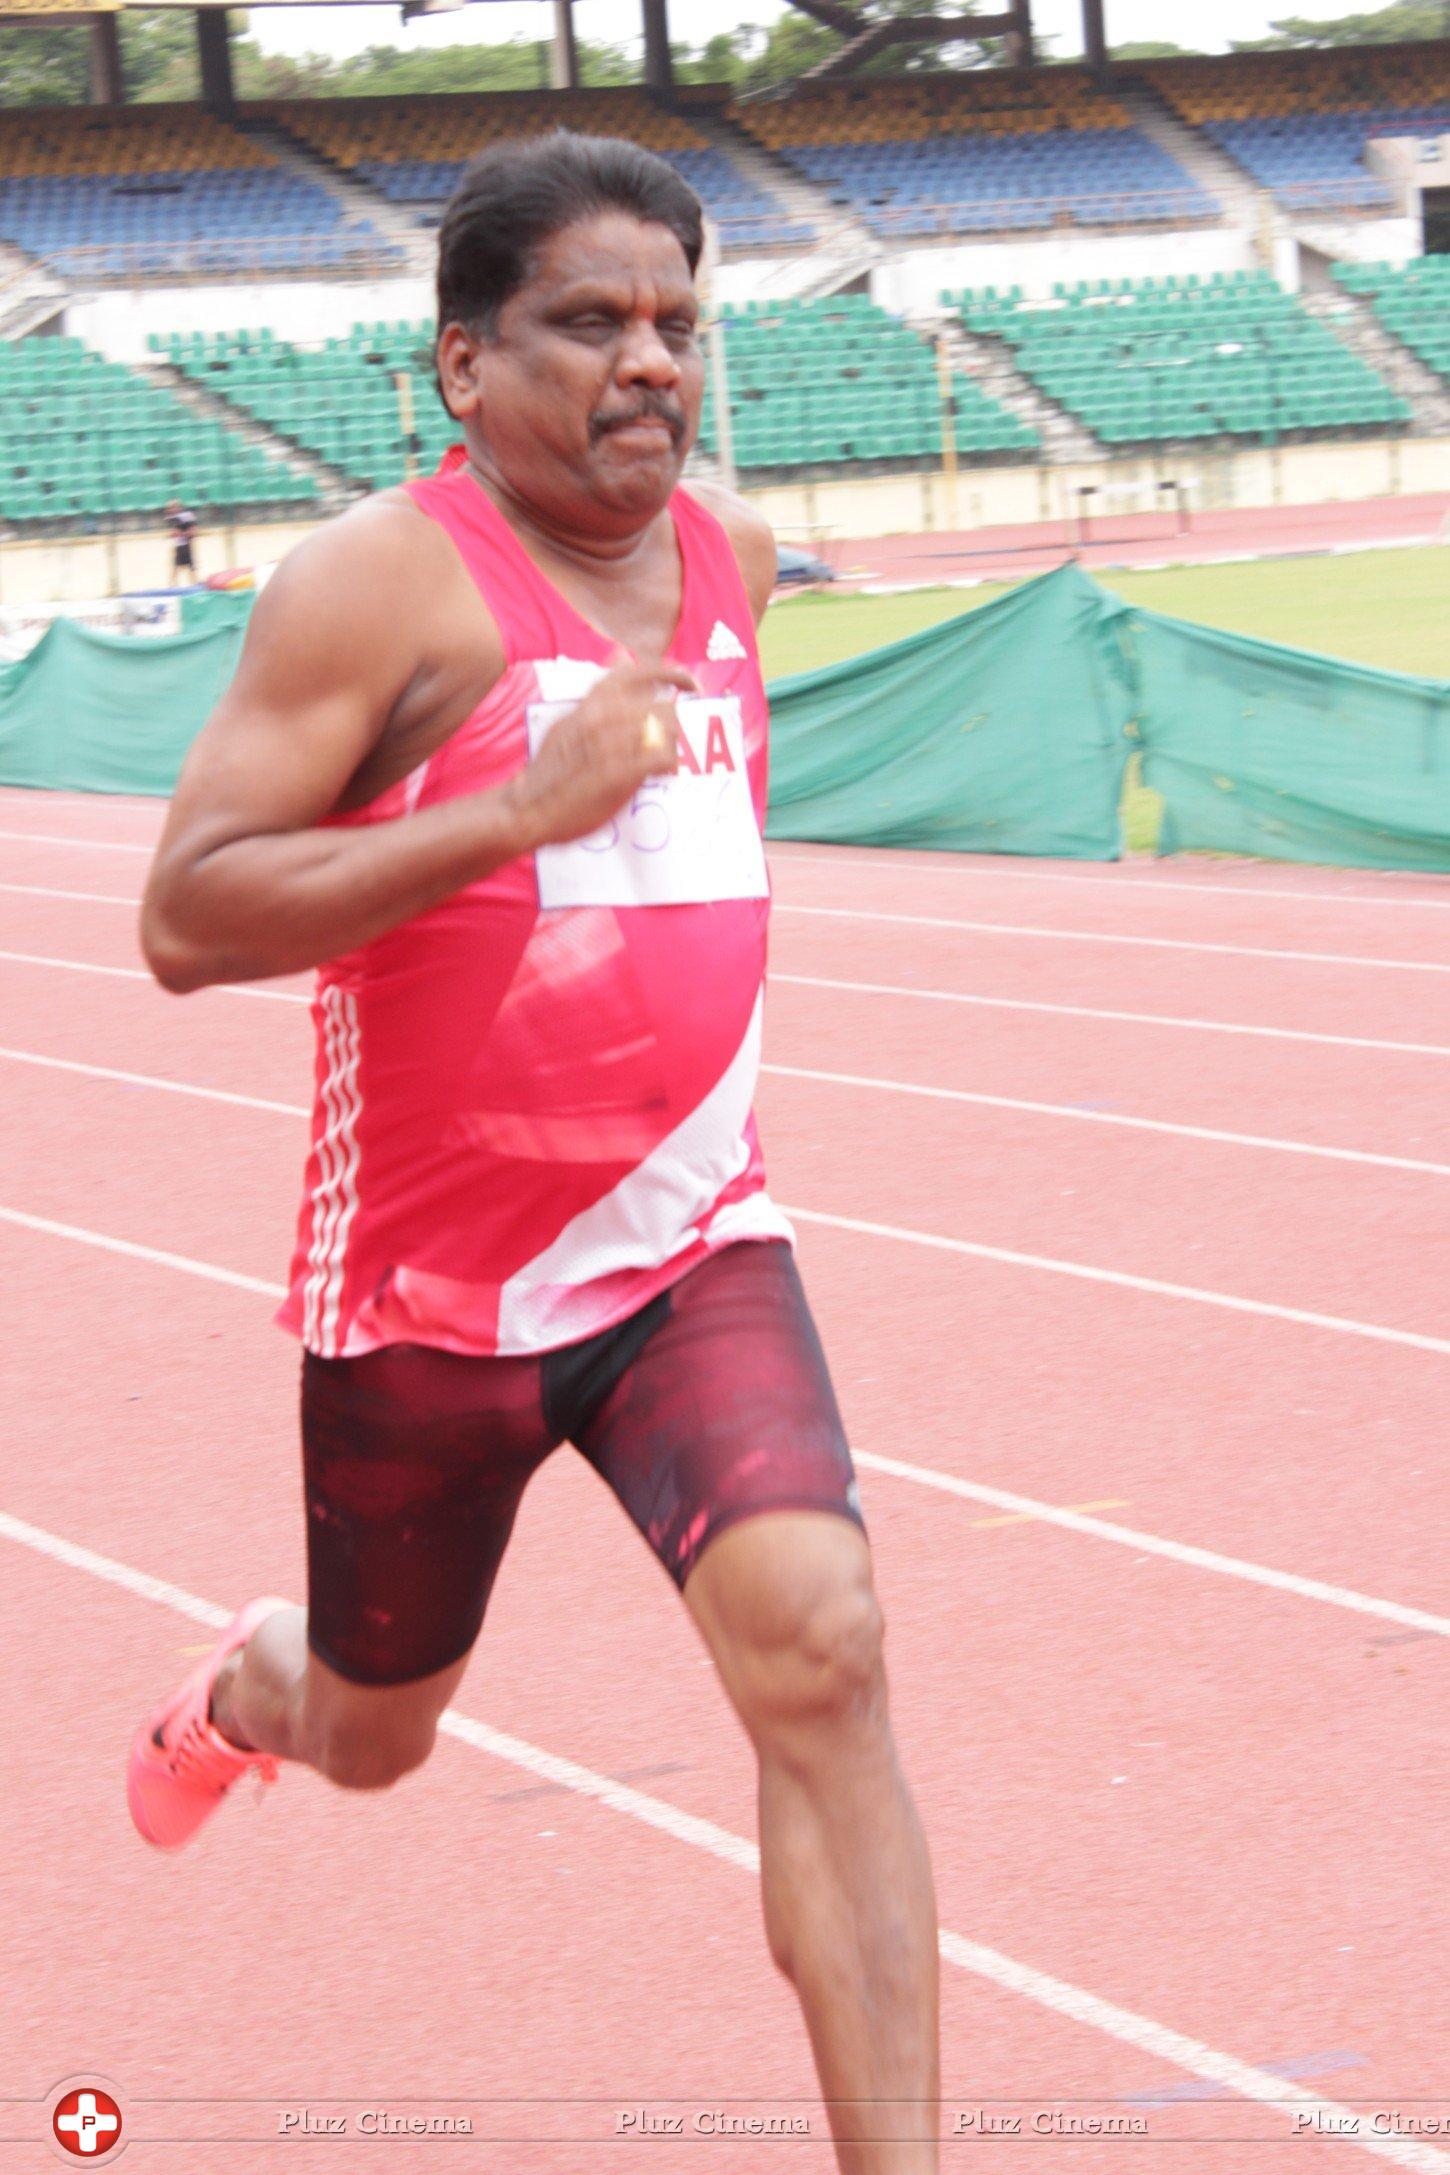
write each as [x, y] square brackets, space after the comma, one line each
[989, 215]
[341, 253]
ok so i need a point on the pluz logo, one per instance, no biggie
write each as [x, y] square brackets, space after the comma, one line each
[86, 2121]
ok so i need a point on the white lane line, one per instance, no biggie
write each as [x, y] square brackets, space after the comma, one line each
[1145, 2034]
[927, 1476]
[139, 974]
[1107, 1529]
[50, 838]
[949, 865]
[87, 898]
[1341, 1324]
[156, 1255]
[976, 1250]
[868, 989]
[150, 1080]
[1012, 873]
[789, 1072]
[1109, 936]
[1100, 1012]
[1108, 1117]
[76, 966]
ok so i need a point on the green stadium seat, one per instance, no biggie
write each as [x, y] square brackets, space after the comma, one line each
[1182, 358]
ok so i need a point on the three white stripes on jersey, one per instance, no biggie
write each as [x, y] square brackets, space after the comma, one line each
[335, 1200]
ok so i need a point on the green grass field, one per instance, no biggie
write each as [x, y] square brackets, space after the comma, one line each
[1386, 608]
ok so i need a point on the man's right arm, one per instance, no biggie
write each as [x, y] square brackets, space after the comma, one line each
[245, 882]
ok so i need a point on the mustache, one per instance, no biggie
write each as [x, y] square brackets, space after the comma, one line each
[652, 405]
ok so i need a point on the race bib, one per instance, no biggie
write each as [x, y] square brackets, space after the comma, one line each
[682, 840]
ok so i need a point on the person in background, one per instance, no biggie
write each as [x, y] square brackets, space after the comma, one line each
[181, 521]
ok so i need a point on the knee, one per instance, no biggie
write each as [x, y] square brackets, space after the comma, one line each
[820, 1673]
[368, 1759]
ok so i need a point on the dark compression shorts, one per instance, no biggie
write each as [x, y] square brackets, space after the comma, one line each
[709, 1405]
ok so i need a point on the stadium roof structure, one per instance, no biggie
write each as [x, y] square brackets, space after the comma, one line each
[864, 36]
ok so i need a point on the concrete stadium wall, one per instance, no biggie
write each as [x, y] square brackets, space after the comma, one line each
[71, 570]
[1296, 475]
[1361, 241]
[911, 281]
[841, 507]
[119, 320]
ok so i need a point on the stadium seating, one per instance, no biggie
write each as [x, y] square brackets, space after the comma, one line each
[82, 438]
[1412, 301]
[158, 191]
[1298, 123]
[810, 382]
[990, 152]
[1140, 361]
[339, 402]
[841, 380]
[413, 150]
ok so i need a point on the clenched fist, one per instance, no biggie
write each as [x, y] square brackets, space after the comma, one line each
[595, 760]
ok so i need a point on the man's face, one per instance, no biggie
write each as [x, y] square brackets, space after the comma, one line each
[587, 399]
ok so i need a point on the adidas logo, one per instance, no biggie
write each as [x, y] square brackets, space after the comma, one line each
[723, 643]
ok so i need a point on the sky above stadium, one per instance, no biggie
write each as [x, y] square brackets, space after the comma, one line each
[1203, 25]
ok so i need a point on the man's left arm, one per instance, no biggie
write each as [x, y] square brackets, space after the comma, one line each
[752, 537]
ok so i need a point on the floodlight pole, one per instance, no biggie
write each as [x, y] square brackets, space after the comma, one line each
[720, 388]
[407, 422]
[946, 395]
[707, 284]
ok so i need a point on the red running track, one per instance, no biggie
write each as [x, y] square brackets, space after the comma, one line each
[1139, 1319]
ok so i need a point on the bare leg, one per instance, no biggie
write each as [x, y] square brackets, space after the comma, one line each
[277, 1697]
[786, 1606]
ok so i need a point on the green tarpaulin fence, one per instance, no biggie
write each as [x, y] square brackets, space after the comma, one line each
[1002, 731]
[1271, 751]
[203, 610]
[1006, 729]
[110, 713]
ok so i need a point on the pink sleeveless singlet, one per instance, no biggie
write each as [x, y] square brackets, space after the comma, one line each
[533, 1102]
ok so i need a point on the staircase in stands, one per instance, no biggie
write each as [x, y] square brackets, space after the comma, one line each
[359, 202]
[989, 362]
[843, 251]
[337, 488]
[1352, 320]
[1245, 204]
[30, 294]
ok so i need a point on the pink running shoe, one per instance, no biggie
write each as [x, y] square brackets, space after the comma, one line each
[181, 1766]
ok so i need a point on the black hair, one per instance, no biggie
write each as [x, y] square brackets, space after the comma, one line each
[517, 194]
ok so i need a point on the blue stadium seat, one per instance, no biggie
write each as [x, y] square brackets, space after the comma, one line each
[1005, 183]
[1315, 161]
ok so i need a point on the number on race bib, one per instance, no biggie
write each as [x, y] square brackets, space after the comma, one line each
[685, 838]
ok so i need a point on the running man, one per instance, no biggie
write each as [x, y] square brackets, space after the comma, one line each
[494, 762]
